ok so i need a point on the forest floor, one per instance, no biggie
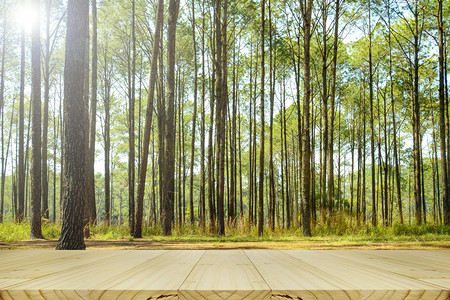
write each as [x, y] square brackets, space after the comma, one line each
[318, 243]
[16, 236]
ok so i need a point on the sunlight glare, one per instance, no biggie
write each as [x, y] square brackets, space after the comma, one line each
[26, 16]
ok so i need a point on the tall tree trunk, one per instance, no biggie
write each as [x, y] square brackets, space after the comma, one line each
[211, 206]
[44, 176]
[416, 124]
[394, 123]
[92, 119]
[194, 121]
[75, 139]
[55, 143]
[182, 214]
[282, 114]
[21, 174]
[272, 197]
[288, 187]
[261, 146]
[2, 111]
[35, 216]
[331, 193]
[221, 96]
[169, 153]
[86, 129]
[443, 150]
[250, 142]
[352, 149]
[107, 140]
[136, 223]
[151, 96]
[324, 148]
[372, 130]
[306, 159]
[202, 130]
[363, 187]
[5, 157]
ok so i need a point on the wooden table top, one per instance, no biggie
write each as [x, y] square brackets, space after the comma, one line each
[225, 274]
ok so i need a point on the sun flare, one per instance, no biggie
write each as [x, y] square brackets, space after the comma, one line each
[26, 16]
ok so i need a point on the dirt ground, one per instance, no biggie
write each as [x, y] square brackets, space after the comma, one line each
[145, 244]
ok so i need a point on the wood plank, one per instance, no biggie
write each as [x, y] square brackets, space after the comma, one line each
[159, 277]
[362, 276]
[10, 260]
[368, 280]
[290, 277]
[224, 275]
[441, 254]
[46, 294]
[407, 263]
[84, 274]
[40, 264]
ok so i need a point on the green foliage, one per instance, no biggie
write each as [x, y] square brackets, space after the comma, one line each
[339, 232]
[11, 232]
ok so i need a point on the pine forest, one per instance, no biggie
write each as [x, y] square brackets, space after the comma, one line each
[268, 116]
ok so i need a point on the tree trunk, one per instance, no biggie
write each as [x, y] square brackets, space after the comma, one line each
[137, 223]
[92, 120]
[202, 130]
[44, 188]
[372, 130]
[75, 139]
[394, 127]
[107, 140]
[272, 198]
[416, 124]
[35, 216]
[306, 159]
[261, 146]
[221, 96]
[2, 111]
[151, 96]
[443, 150]
[194, 121]
[331, 193]
[324, 148]
[21, 174]
[168, 183]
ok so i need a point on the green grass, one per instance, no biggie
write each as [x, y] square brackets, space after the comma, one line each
[340, 232]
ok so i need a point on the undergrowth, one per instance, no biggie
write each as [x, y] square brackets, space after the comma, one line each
[241, 231]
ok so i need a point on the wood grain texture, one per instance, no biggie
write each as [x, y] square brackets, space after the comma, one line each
[425, 269]
[225, 274]
[48, 264]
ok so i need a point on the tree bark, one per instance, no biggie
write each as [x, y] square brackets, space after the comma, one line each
[168, 183]
[331, 194]
[45, 212]
[21, 164]
[194, 120]
[92, 120]
[2, 111]
[151, 96]
[107, 140]
[220, 27]
[416, 124]
[75, 139]
[137, 230]
[372, 129]
[261, 146]
[272, 197]
[35, 216]
[443, 150]
[306, 159]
